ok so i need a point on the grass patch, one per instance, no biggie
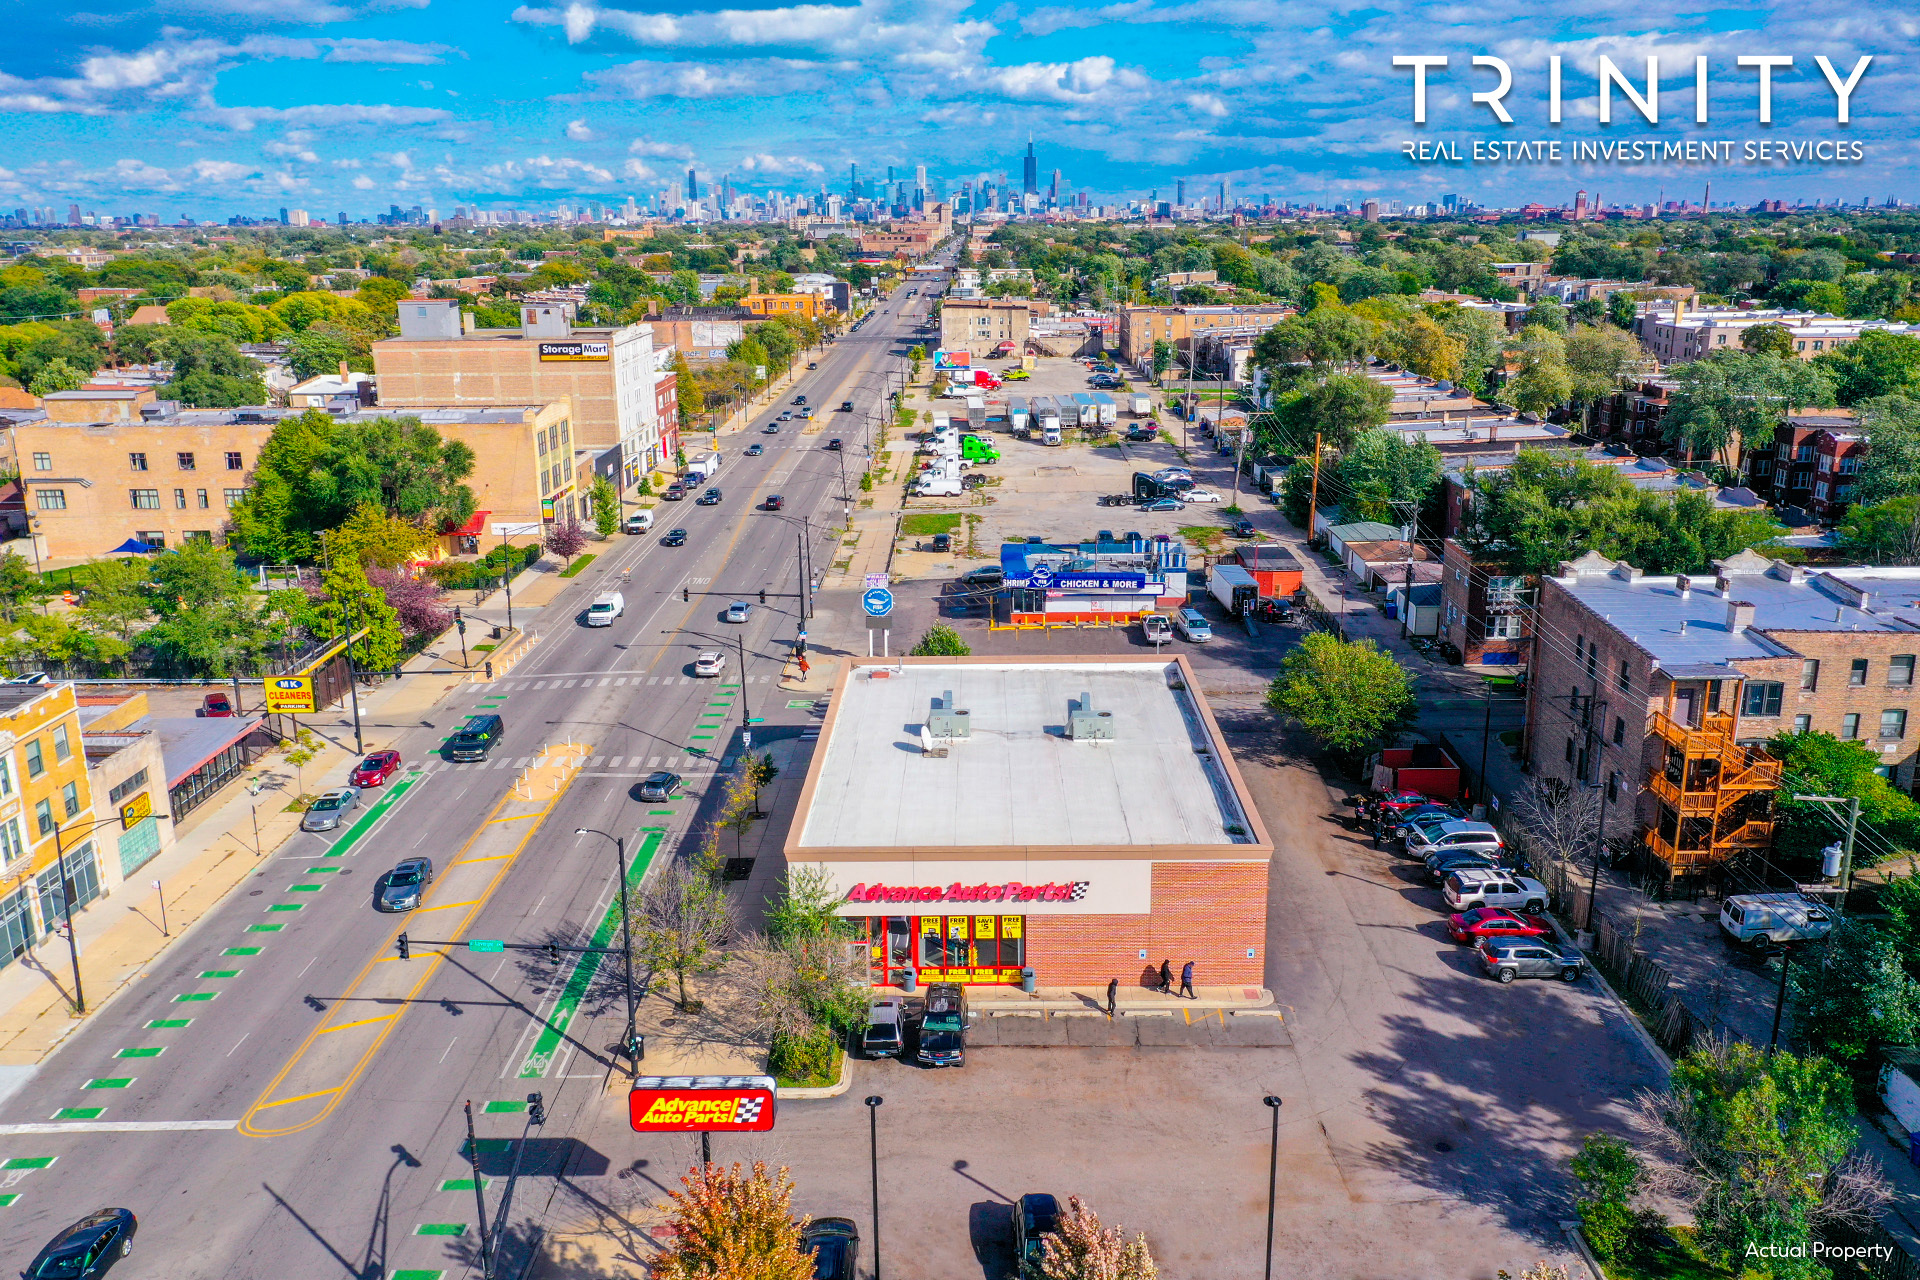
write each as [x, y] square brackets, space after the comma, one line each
[820, 1081]
[1207, 537]
[926, 524]
[484, 648]
[580, 562]
[1671, 1258]
[1510, 739]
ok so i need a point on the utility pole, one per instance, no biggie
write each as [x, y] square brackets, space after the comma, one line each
[1313, 498]
[1846, 841]
[1407, 530]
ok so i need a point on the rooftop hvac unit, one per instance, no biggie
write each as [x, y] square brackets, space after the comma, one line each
[1084, 724]
[946, 722]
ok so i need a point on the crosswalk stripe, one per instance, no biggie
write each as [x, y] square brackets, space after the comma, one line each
[653, 762]
[620, 683]
[539, 684]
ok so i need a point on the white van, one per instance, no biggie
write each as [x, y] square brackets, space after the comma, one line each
[1764, 919]
[639, 521]
[604, 610]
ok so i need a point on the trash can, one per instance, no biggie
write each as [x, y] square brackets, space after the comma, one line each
[1028, 983]
[909, 980]
[497, 633]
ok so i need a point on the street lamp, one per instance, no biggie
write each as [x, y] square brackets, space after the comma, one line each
[873, 1160]
[66, 904]
[628, 1044]
[1273, 1169]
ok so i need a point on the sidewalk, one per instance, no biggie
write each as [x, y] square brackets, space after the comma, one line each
[120, 936]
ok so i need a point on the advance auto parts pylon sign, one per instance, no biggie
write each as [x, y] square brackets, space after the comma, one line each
[691, 1104]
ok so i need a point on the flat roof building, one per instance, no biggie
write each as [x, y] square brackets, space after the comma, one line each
[1071, 815]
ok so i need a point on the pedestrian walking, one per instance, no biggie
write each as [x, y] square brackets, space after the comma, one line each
[1166, 977]
[1186, 981]
[1113, 994]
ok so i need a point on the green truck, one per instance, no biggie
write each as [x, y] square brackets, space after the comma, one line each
[974, 449]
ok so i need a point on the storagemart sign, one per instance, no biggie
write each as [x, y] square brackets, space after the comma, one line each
[693, 1104]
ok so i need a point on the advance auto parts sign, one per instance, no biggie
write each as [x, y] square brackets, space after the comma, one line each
[576, 351]
[1041, 887]
[691, 1104]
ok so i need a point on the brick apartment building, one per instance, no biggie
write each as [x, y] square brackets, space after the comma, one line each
[1810, 463]
[1486, 608]
[610, 374]
[173, 477]
[1677, 333]
[1661, 689]
[1141, 327]
[801, 306]
[1528, 278]
[1633, 415]
[981, 324]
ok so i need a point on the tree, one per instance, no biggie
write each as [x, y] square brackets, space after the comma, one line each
[565, 540]
[733, 1225]
[1849, 994]
[1621, 310]
[682, 919]
[1891, 468]
[1163, 354]
[372, 537]
[349, 604]
[1614, 1178]
[1339, 406]
[416, 602]
[1875, 364]
[760, 771]
[315, 352]
[1884, 533]
[1080, 1248]
[1544, 381]
[1348, 695]
[1600, 359]
[20, 587]
[1732, 396]
[209, 371]
[117, 601]
[1761, 1147]
[1767, 340]
[1821, 764]
[1561, 819]
[1381, 469]
[209, 621]
[940, 641]
[57, 375]
[606, 507]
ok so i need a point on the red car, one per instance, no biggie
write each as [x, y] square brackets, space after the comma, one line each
[1398, 802]
[1492, 922]
[375, 769]
[216, 705]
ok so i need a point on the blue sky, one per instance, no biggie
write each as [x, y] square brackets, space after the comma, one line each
[208, 107]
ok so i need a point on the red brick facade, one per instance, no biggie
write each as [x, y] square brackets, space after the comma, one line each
[1211, 913]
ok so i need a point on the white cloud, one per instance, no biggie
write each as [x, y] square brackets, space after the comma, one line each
[388, 52]
[1208, 103]
[665, 150]
[751, 77]
[639, 171]
[324, 116]
[779, 165]
[219, 170]
[577, 131]
[362, 182]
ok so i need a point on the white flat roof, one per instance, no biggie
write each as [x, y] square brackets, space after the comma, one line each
[1018, 780]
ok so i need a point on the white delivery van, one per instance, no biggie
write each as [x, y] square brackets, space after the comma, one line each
[1767, 919]
[639, 521]
[605, 609]
[704, 466]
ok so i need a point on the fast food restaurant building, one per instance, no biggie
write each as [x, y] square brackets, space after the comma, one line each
[1079, 816]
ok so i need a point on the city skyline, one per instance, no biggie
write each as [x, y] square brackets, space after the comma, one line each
[204, 107]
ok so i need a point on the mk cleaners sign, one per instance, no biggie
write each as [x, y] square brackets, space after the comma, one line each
[692, 1104]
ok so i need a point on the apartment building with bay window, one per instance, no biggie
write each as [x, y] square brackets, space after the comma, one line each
[1662, 690]
[46, 811]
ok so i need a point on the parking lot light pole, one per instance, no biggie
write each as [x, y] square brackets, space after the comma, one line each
[1273, 1169]
[621, 872]
[873, 1161]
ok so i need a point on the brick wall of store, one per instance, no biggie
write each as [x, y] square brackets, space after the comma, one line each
[1211, 913]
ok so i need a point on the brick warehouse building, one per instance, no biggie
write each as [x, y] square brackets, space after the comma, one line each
[1077, 815]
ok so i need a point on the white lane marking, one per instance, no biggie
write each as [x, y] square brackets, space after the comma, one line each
[310, 964]
[119, 1126]
[449, 1049]
[237, 1043]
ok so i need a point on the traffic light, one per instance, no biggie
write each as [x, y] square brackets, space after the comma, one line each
[536, 1109]
[553, 952]
[685, 596]
[763, 595]
[401, 942]
[456, 613]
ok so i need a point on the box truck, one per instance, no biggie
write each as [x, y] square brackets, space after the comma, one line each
[1234, 588]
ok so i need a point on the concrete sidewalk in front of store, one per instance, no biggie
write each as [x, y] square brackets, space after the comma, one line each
[1131, 998]
[221, 845]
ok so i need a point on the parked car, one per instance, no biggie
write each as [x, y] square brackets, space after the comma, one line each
[835, 1246]
[846, 406]
[1157, 629]
[673, 492]
[774, 502]
[1455, 833]
[943, 1026]
[739, 611]
[1201, 495]
[404, 885]
[885, 1033]
[1037, 1214]
[659, 785]
[375, 769]
[1487, 888]
[1495, 922]
[674, 538]
[88, 1248]
[754, 451]
[1164, 504]
[813, 364]
[942, 543]
[1442, 865]
[1242, 528]
[785, 416]
[1192, 627]
[711, 498]
[324, 813]
[1166, 474]
[1396, 804]
[1772, 919]
[987, 578]
[1507, 959]
[215, 706]
[710, 662]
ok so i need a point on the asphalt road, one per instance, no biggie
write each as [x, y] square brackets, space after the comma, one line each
[280, 1095]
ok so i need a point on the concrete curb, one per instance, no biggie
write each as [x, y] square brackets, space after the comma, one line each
[1579, 1242]
[834, 1090]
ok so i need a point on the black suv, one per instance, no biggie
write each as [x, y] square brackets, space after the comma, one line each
[943, 1026]
[475, 739]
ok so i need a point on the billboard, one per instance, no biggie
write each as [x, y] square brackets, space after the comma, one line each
[695, 1104]
[291, 695]
[945, 359]
[575, 351]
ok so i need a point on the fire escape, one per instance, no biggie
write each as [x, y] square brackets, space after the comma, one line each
[1715, 794]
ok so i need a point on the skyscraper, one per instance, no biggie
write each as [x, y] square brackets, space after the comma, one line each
[693, 185]
[1179, 192]
[853, 182]
[1032, 170]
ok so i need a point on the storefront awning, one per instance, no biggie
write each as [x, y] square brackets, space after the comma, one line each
[187, 743]
[472, 527]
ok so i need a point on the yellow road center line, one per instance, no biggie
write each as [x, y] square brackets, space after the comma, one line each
[363, 1022]
[444, 906]
[281, 1102]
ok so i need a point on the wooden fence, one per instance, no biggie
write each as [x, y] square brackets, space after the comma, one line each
[1887, 1258]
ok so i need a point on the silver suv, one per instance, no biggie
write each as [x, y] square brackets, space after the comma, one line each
[1456, 833]
[1508, 958]
[1469, 888]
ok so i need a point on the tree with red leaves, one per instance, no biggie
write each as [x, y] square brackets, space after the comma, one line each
[566, 540]
[415, 600]
[734, 1224]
